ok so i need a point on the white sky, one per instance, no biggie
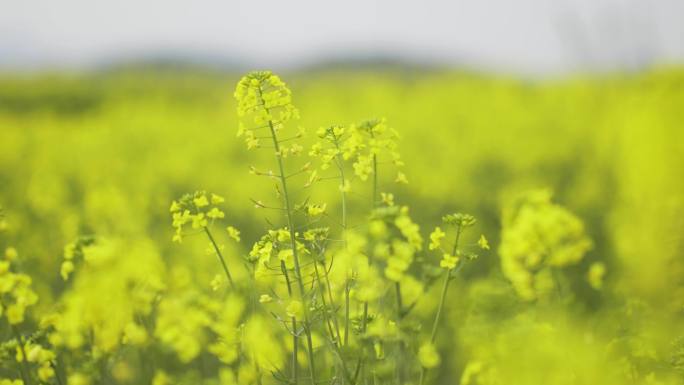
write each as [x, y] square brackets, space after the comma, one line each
[527, 36]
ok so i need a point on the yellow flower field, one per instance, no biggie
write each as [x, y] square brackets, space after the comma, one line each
[365, 227]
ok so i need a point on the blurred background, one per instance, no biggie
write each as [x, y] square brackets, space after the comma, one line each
[109, 110]
[532, 37]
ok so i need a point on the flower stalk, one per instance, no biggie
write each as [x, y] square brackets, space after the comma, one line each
[293, 240]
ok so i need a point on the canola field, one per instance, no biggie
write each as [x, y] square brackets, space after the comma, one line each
[182, 226]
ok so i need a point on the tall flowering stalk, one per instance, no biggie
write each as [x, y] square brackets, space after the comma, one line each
[268, 100]
[197, 210]
[452, 260]
[315, 281]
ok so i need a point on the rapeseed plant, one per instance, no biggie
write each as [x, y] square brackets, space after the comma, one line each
[341, 286]
[27, 351]
[538, 239]
[326, 286]
[199, 210]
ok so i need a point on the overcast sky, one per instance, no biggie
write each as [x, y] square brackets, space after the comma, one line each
[528, 36]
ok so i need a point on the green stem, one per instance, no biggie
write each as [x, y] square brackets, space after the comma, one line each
[375, 175]
[330, 297]
[335, 338]
[402, 352]
[442, 300]
[293, 240]
[321, 290]
[55, 368]
[458, 238]
[295, 347]
[340, 167]
[220, 256]
[374, 202]
[347, 288]
[345, 373]
[433, 335]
